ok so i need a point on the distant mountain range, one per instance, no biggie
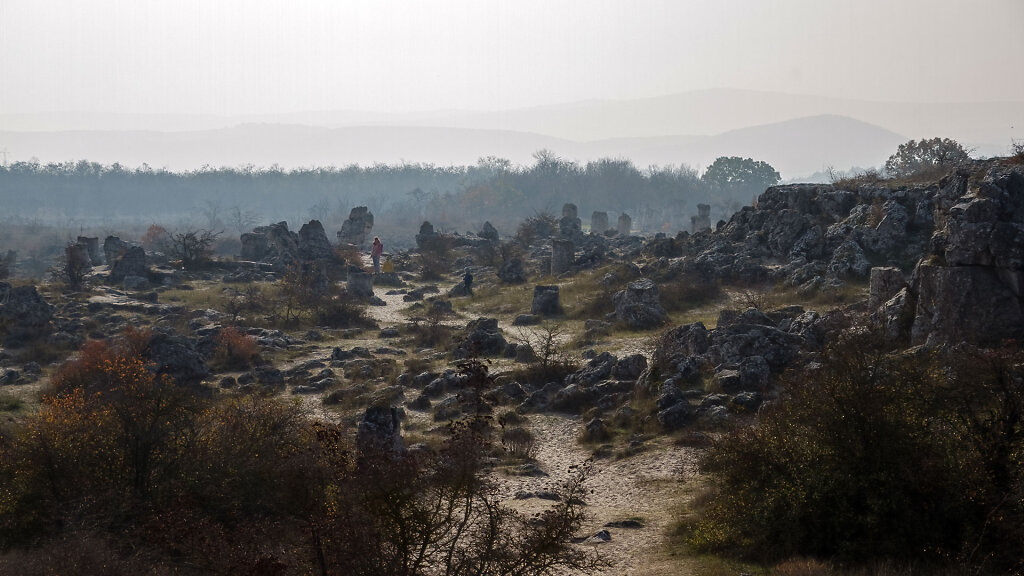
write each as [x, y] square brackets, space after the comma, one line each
[799, 135]
[795, 147]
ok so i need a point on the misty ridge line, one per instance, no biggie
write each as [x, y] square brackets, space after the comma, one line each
[798, 147]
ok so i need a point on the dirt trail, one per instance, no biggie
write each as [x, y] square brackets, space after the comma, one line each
[648, 487]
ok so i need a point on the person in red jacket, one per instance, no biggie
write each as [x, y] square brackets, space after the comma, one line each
[375, 254]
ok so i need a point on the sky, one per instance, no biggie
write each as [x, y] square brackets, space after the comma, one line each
[238, 57]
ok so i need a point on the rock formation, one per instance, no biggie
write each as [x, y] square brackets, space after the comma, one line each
[356, 229]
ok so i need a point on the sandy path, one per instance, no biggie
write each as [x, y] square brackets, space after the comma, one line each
[648, 487]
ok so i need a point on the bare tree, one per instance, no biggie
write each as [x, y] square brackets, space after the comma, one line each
[193, 247]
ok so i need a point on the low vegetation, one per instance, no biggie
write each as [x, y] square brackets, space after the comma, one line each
[878, 455]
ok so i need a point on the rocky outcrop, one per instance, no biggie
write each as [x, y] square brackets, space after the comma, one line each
[969, 286]
[356, 229]
[274, 244]
[278, 246]
[734, 362]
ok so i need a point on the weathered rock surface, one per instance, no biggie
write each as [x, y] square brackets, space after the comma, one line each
[356, 229]
[24, 313]
[483, 338]
[638, 305]
[545, 301]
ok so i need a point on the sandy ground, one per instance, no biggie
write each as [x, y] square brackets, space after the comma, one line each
[649, 487]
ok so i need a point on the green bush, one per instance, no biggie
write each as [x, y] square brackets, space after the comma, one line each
[878, 455]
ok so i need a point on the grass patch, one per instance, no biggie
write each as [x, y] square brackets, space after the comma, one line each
[497, 300]
[10, 402]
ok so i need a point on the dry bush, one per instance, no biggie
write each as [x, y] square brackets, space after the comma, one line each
[234, 350]
[519, 441]
[879, 456]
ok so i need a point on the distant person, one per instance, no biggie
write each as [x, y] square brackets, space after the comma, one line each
[467, 281]
[375, 253]
[388, 266]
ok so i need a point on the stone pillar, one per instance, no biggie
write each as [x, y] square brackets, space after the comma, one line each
[884, 284]
[625, 224]
[380, 432]
[562, 256]
[92, 245]
[598, 222]
[702, 221]
[356, 230]
[569, 211]
[545, 301]
[360, 284]
[113, 248]
[78, 257]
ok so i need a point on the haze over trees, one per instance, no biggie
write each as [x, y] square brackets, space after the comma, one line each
[658, 198]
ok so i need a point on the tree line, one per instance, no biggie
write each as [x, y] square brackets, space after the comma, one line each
[454, 197]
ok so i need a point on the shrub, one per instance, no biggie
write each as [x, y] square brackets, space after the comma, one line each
[916, 157]
[877, 455]
[234, 350]
[518, 441]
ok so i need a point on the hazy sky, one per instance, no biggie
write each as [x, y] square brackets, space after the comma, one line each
[253, 56]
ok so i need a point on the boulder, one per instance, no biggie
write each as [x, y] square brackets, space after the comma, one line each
[512, 272]
[113, 248]
[176, 357]
[360, 284]
[24, 312]
[638, 305]
[849, 261]
[483, 338]
[380, 431]
[488, 232]
[426, 235]
[131, 263]
[313, 243]
[545, 301]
